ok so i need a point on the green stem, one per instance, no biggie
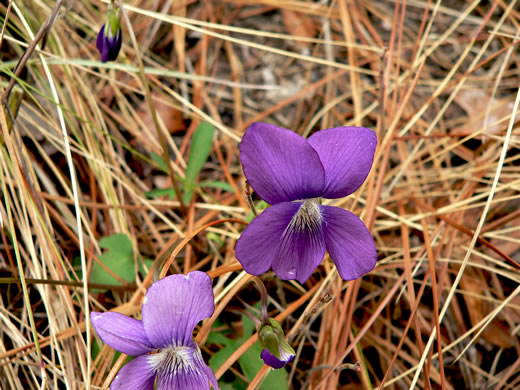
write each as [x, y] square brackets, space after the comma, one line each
[249, 199]
[263, 295]
[71, 283]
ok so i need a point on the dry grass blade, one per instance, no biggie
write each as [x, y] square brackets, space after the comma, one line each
[99, 152]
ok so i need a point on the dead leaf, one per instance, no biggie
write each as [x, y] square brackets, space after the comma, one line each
[496, 332]
[513, 313]
[511, 244]
[171, 117]
[476, 103]
[299, 25]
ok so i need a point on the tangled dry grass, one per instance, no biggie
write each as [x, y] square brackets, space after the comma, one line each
[437, 80]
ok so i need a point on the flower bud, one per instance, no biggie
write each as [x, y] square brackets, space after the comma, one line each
[110, 36]
[276, 352]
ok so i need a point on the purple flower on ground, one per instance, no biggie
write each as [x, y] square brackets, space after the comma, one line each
[110, 37]
[162, 341]
[292, 173]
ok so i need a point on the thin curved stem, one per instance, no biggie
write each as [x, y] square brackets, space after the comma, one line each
[263, 295]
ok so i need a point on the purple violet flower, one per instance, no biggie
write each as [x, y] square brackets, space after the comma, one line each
[110, 37]
[163, 340]
[292, 173]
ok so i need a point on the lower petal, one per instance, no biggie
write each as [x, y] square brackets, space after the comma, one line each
[299, 253]
[204, 368]
[182, 367]
[194, 378]
[349, 243]
[137, 374]
[257, 247]
[293, 252]
[273, 361]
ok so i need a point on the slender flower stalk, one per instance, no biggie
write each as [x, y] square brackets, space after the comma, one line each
[263, 296]
[292, 174]
[166, 354]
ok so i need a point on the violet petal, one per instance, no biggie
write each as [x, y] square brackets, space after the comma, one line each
[184, 377]
[203, 367]
[300, 251]
[271, 360]
[115, 46]
[174, 305]
[103, 45]
[136, 374]
[109, 47]
[257, 247]
[100, 39]
[349, 243]
[347, 154]
[191, 374]
[280, 165]
[121, 332]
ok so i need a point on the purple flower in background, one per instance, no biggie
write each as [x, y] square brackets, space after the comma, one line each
[110, 37]
[291, 173]
[162, 341]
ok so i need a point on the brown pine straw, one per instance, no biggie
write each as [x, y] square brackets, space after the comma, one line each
[424, 75]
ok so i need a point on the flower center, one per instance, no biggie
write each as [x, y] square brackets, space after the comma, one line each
[308, 217]
[171, 359]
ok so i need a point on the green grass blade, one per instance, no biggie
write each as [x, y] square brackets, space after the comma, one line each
[201, 144]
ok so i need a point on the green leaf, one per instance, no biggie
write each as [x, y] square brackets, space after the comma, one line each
[226, 386]
[145, 262]
[96, 349]
[156, 192]
[217, 184]
[261, 205]
[215, 238]
[159, 161]
[201, 144]
[119, 258]
[250, 362]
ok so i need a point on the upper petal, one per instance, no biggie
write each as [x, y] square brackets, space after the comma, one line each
[279, 164]
[347, 154]
[349, 243]
[100, 41]
[121, 332]
[257, 247]
[174, 305]
[136, 374]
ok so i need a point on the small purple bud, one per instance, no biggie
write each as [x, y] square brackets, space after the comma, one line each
[110, 37]
[276, 351]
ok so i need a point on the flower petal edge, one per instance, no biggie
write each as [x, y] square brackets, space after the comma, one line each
[347, 154]
[280, 165]
[349, 243]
